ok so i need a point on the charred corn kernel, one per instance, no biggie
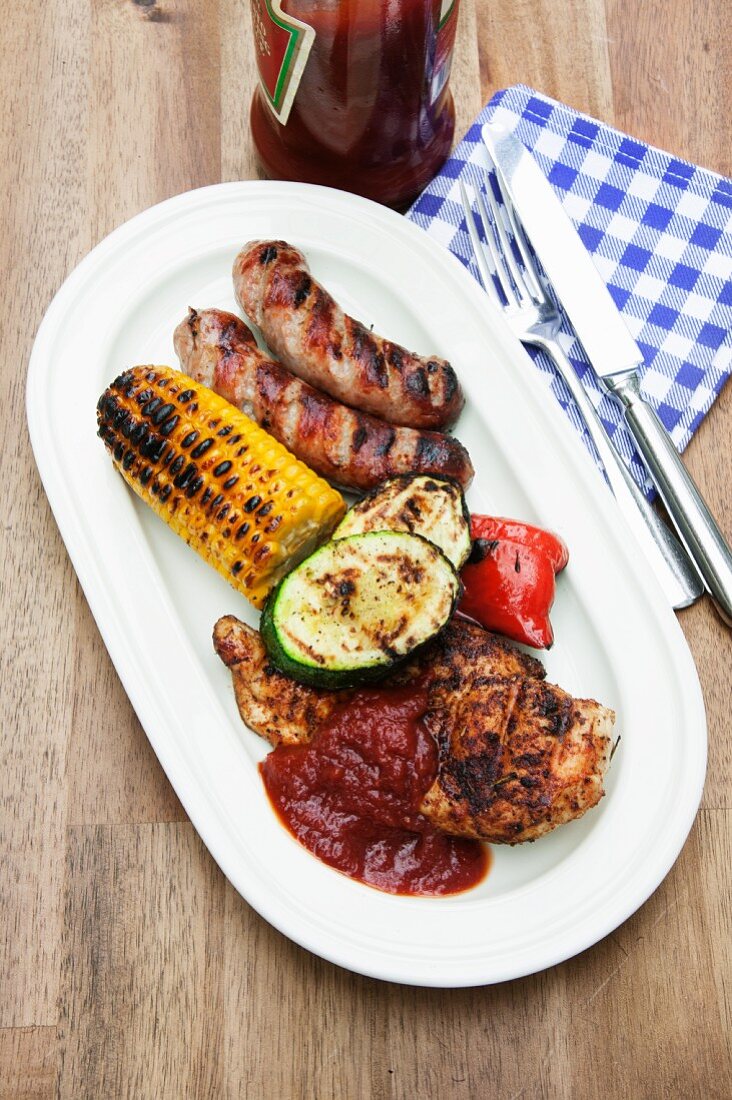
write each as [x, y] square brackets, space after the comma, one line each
[235, 494]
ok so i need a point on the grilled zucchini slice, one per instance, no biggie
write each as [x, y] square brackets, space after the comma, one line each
[357, 607]
[422, 504]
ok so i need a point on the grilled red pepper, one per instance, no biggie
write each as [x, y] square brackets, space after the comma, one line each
[509, 578]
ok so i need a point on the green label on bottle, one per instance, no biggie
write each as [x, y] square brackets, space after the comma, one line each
[283, 45]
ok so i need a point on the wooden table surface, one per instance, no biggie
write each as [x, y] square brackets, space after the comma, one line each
[129, 966]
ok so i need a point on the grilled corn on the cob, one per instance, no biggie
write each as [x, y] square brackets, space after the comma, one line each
[235, 494]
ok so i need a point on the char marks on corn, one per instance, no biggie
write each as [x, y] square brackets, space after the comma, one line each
[177, 447]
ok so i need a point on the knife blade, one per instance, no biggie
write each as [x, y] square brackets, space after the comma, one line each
[612, 353]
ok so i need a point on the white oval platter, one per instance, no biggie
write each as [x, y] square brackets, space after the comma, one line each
[155, 601]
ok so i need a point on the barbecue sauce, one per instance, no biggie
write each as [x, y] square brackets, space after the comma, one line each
[357, 97]
[351, 797]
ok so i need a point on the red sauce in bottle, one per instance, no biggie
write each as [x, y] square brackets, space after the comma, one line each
[372, 112]
[351, 798]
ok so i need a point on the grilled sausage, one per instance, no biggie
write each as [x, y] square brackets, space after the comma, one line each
[309, 332]
[351, 448]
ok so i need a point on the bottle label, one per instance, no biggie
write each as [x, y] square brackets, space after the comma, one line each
[444, 46]
[283, 45]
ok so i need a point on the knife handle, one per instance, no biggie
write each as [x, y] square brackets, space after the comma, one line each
[668, 558]
[696, 526]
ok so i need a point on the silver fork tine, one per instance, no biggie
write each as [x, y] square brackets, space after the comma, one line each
[531, 272]
[513, 285]
[535, 320]
[479, 250]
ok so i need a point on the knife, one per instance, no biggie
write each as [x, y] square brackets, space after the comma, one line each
[613, 354]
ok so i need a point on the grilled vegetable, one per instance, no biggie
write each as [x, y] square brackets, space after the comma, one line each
[423, 504]
[357, 607]
[509, 579]
[234, 493]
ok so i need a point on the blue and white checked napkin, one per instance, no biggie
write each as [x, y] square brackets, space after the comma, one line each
[660, 233]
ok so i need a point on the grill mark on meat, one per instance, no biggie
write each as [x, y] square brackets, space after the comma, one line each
[558, 714]
[365, 351]
[334, 352]
[379, 452]
[450, 384]
[314, 417]
[301, 289]
[430, 450]
[284, 711]
[394, 355]
[386, 443]
[474, 779]
[281, 290]
[359, 438]
[417, 383]
[345, 445]
[319, 330]
[271, 384]
[477, 779]
[228, 330]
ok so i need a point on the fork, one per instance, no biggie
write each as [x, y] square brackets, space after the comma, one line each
[534, 319]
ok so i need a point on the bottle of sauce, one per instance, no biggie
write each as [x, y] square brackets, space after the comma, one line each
[354, 94]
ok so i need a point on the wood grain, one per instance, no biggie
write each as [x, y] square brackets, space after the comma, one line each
[670, 69]
[154, 82]
[45, 234]
[559, 47]
[238, 81]
[28, 1063]
[128, 965]
[140, 1012]
[465, 74]
[307, 1048]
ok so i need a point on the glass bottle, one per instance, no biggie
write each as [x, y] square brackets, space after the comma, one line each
[354, 93]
